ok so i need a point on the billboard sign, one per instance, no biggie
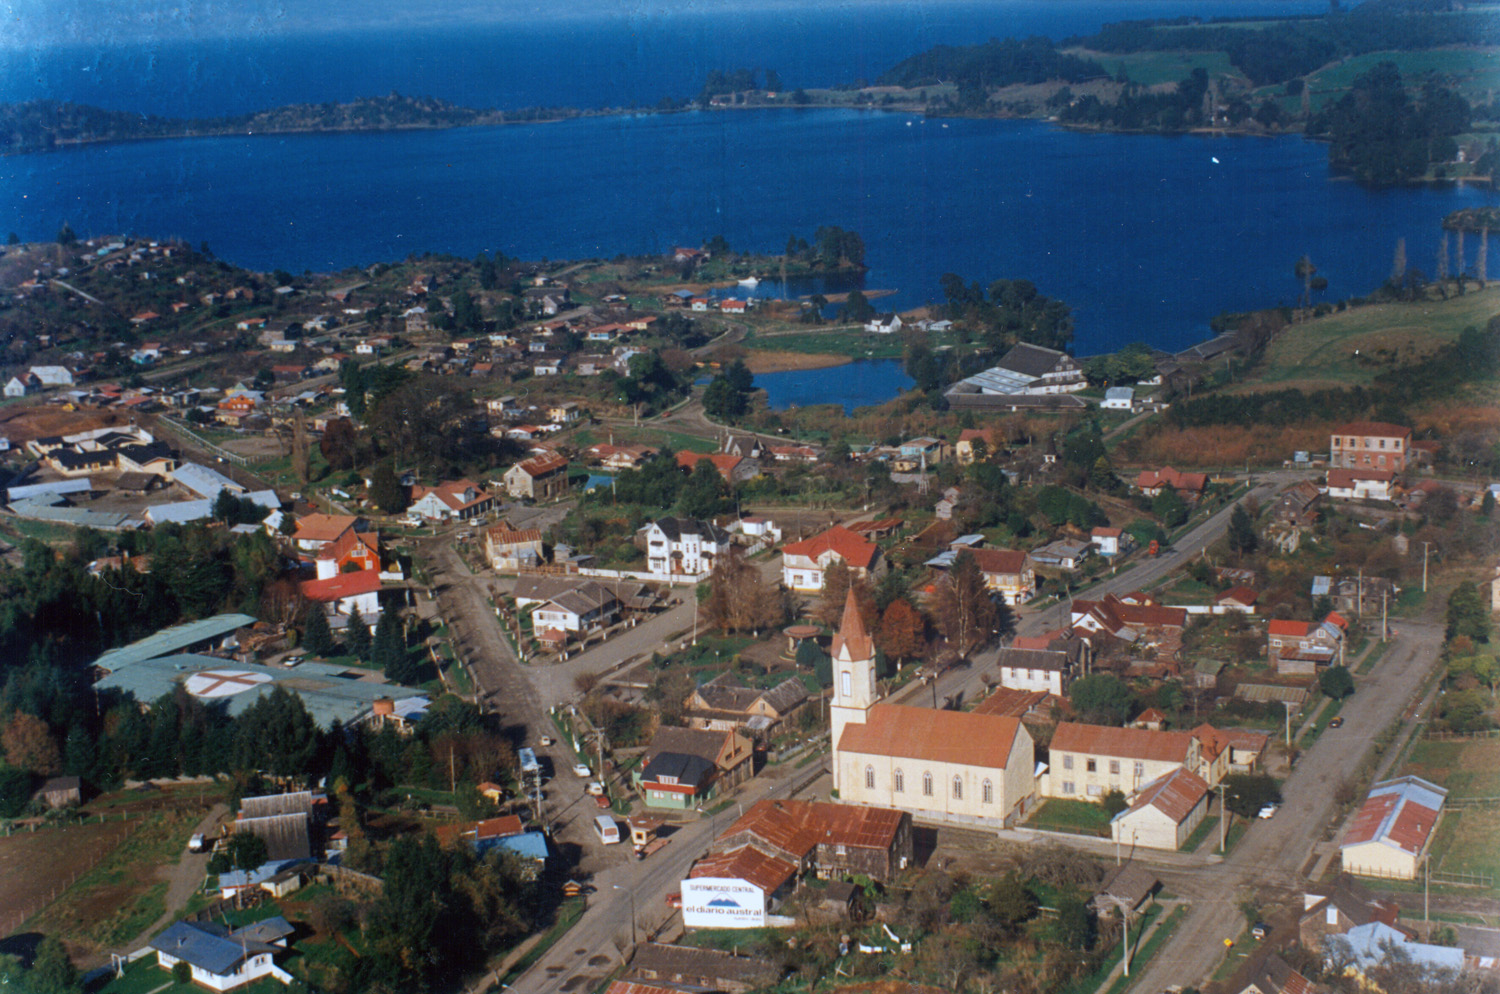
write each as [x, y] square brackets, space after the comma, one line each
[718, 902]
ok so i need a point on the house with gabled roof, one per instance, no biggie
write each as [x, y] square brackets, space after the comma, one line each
[726, 702]
[1393, 828]
[509, 549]
[1189, 486]
[1085, 762]
[461, 499]
[1360, 484]
[1369, 445]
[316, 530]
[683, 767]
[1333, 909]
[543, 477]
[1164, 813]
[734, 469]
[684, 546]
[1275, 975]
[804, 563]
[218, 958]
[343, 593]
[1300, 647]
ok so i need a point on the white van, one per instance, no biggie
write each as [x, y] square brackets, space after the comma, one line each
[608, 829]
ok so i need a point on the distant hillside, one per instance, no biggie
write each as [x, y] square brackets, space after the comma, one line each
[42, 124]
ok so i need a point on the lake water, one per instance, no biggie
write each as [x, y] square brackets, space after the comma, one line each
[1146, 237]
[856, 384]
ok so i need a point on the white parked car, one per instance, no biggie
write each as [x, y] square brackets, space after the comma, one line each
[595, 787]
[1269, 811]
[582, 772]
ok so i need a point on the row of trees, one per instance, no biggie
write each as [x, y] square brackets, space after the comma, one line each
[1382, 135]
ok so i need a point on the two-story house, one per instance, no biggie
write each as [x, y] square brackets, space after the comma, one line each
[804, 563]
[1369, 445]
[1300, 647]
[1086, 762]
[684, 546]
[542, 477]
[1008, 571]
[509, 549]
[725, 702]
[1051, 670]
[461, 499]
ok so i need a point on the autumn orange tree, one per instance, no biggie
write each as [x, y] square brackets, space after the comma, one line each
[901, 632]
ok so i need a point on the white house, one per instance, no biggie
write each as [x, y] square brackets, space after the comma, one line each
[1392, 830]
[1164, 813]
[345, 592]
[1360, 484]
[1048, 670]
[221, 959]
[884, 324]
[584, 608]
[804, 563]
[18, 386]
[683, 545]
[53, 376]
[1118, 399]
[1110, 541]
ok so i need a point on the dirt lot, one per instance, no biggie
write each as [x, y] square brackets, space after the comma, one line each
[34, 864]
[22, 424]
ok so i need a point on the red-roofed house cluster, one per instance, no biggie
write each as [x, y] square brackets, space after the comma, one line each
[1298, 648]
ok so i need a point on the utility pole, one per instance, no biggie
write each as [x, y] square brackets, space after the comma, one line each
[1359, 595]
[1288, 706]
[1424, 566]
[1384, 615]
[1223, 820]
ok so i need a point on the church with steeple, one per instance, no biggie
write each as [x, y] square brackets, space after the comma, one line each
[946, 766]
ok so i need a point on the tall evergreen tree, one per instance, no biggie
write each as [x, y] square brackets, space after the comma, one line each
[1242, 537]
[317, 637]
[357, 635]
[389, 650]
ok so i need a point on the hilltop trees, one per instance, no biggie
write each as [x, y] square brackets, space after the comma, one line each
[1383, 136]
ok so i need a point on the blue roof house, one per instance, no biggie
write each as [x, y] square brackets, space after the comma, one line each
[222, 960]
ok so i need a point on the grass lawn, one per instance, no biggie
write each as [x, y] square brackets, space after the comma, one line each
[1077, 817]
[1474, 70]
[1468, 841]
[144, 976]
[1207, 825]
[1151, 68]
[1372, 657]
[1466, 769]
[1321, 353]
[1144, 952]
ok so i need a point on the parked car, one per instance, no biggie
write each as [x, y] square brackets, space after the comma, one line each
[546, 740]
[581, 771]
[1336, 722]
[674, 900]
[1261, 930]
[595, 787]
[1269, 811]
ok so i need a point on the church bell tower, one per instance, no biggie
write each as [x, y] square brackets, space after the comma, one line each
[853, 677]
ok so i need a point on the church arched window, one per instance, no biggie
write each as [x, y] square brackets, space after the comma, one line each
[899, 782]
[845, 681]
[927, 784]
[869, 778]
[987, 792]
[958, 788]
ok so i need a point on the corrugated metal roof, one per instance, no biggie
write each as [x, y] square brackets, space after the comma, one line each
[1128, 743]
[1174, 794]
[78, 517]
[328, 692]
[203, 481]
[74, 486]
[1400, 813]
[174, 639]
[939, 736]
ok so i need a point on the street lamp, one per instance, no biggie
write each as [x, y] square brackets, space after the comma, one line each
[630, 894]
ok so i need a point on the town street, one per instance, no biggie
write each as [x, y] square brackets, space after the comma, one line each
[1274, 852]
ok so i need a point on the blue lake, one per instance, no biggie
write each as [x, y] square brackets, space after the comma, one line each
[1146, 237]
[855, 384]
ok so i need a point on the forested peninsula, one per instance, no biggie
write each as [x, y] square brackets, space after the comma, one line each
[39, 125]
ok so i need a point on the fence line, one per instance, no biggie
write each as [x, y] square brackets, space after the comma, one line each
[182, 431]
[1443, 736]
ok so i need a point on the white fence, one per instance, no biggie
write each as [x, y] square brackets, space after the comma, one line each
[673, 579]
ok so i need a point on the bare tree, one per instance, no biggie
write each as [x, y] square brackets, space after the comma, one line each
[1398, 264]
[301, 456]
[965, 611]
[740, 599]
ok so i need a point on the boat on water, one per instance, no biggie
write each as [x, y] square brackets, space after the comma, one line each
[750, 281]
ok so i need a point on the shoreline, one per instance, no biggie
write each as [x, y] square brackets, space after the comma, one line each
[560, 115]
[760, 361]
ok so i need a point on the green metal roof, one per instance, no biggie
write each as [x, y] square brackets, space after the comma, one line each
[345, 693]
[174, 639]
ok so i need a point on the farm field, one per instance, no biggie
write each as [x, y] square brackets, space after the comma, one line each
[1353, 346]
[34, 864]
[1152, 68]
[1468, 838]
[1473, 70]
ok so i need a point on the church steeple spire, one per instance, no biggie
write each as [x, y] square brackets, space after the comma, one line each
[852, 641]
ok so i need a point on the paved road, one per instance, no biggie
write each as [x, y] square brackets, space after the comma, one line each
[963, 684]
[1273, 852]
[605, 928]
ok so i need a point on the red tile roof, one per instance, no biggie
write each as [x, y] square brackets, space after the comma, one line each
[999, 562]
[499, 828]
[1127, 743]
[839, 540]
[1168, 477]
[542, 465]
[748, 863]
[723, 462]
[1374, 429]
[1240, 595]
[1174, 794]
[1288, 628]
[1007, 702]
[938, 736]
[451, 493]
[322, 527]
[349, 542]
[342, 585]
[796, 827]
